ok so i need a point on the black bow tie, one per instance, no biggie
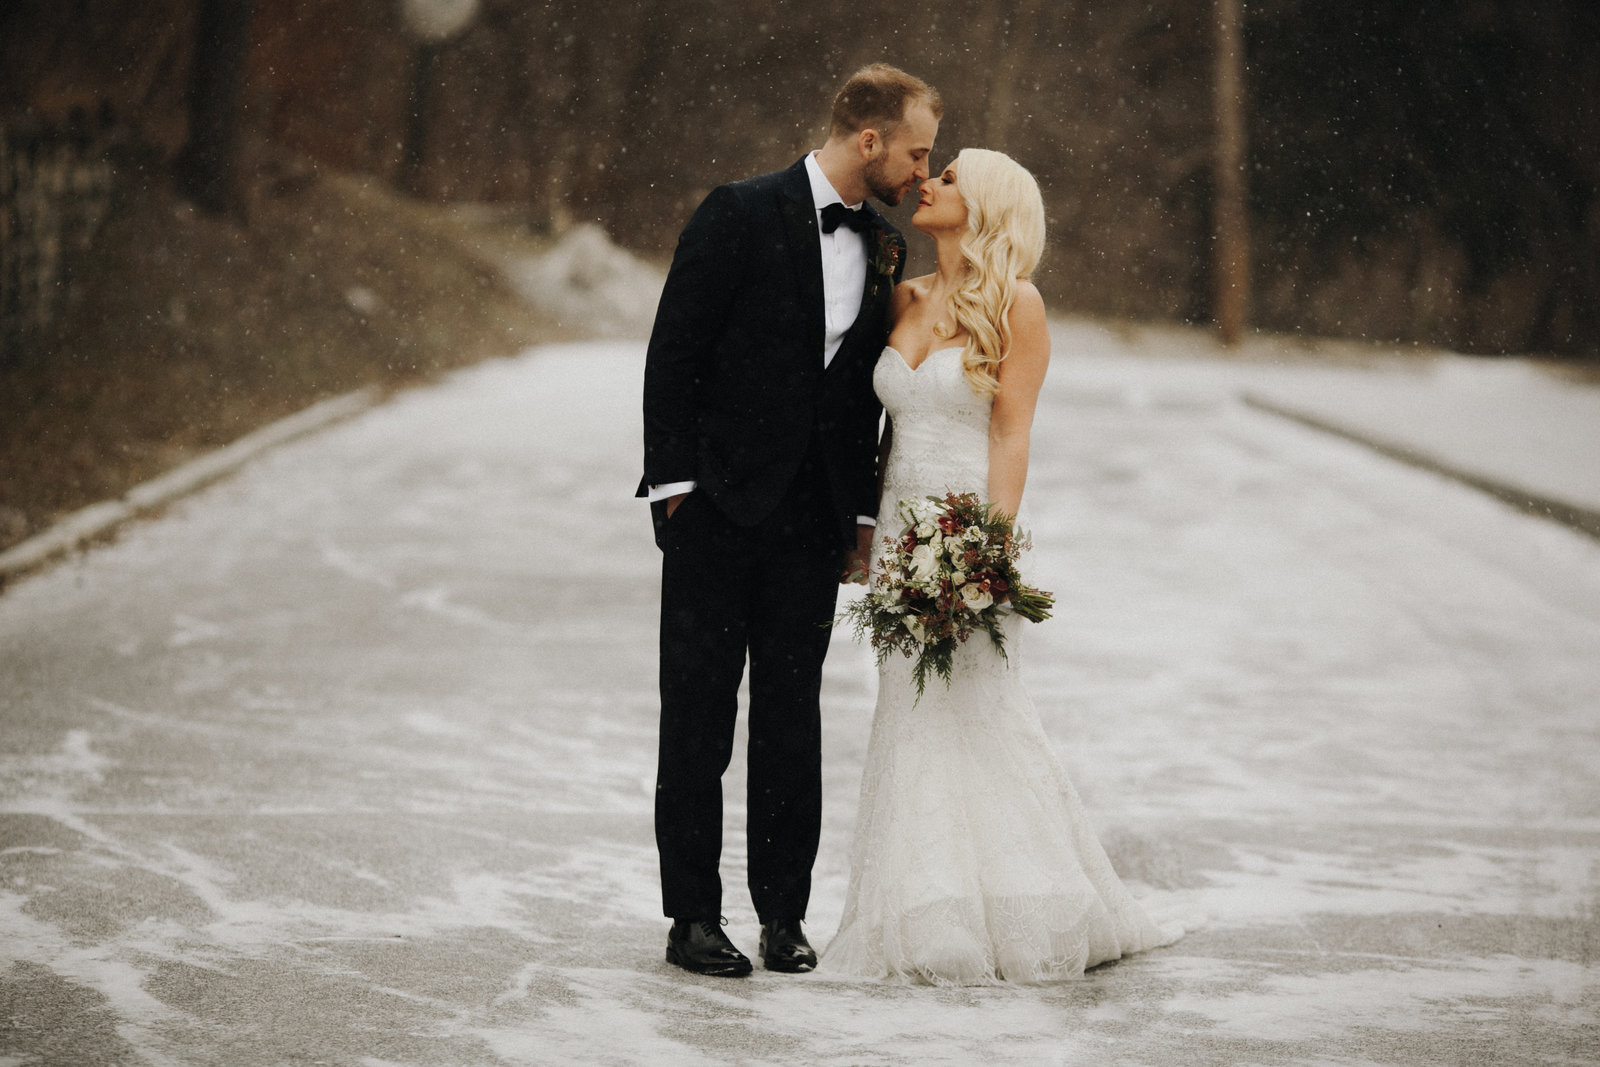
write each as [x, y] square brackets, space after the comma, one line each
[836, 214]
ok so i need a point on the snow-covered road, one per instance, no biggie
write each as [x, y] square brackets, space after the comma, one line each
[349, 759]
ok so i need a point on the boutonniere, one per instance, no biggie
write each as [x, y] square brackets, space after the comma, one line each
[885, 254]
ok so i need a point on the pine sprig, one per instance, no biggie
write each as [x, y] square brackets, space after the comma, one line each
[948, 574]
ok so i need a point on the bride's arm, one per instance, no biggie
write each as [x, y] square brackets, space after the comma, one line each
[1021, 375]
[885, 443]
[858, 561]
[897, 311]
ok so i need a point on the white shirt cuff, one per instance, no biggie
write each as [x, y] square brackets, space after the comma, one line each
[661, 492]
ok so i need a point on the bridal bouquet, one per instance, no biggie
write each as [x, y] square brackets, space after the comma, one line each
[949, 574]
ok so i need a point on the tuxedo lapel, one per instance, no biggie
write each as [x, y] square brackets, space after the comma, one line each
[800, 225]
[882, 258]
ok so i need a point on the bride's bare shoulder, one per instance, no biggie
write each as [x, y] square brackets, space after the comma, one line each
[908, 292]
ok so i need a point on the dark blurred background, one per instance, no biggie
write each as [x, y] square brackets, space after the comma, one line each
[1419, 173]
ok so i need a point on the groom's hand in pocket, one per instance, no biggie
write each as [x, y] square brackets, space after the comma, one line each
[673, 502]
[857, 559]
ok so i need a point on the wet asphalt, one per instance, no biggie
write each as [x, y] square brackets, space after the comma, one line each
[347, 758]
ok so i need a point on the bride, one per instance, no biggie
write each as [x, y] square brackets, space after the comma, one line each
[972, 861]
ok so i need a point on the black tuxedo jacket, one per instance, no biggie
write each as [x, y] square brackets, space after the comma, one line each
[734, 382]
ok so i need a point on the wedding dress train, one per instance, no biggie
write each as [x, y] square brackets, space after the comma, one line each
[973, 860]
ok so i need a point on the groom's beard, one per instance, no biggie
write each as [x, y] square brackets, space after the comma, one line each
[877, 178]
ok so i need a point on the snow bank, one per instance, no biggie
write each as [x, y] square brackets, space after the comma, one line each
[589, 282]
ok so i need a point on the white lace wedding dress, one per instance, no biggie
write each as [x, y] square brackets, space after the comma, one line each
[973, 860]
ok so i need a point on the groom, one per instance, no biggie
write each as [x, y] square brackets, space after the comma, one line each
[760, 435]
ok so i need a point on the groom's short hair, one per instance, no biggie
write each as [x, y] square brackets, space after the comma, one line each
[877, 96]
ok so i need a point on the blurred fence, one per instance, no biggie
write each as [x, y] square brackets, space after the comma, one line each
[55, 190]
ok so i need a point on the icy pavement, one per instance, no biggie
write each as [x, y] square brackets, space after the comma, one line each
[348, 759]
[1522, 429]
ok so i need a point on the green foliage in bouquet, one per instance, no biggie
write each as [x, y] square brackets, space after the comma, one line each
[950, 573]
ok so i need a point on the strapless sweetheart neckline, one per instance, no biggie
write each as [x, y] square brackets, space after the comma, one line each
[907, 364]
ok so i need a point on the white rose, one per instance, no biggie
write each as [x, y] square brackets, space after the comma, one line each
[975, 597]
[923, 562]
[925, 530]
[916, 631]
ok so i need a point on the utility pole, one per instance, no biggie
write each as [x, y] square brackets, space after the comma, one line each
[207, 166]
[1231, 244]
[431, 23]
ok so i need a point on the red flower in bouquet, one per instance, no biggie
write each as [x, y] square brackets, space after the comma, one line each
[950, 573]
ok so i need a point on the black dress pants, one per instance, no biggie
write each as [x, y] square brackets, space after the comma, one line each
[766, 593]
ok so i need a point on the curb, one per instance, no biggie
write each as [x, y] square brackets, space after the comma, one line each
[1578, 518]
[95, 521]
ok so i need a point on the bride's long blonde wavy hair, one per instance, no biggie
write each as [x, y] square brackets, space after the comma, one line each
[1002, 246]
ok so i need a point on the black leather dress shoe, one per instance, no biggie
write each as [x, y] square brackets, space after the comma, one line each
[701, 946]
[784, 947]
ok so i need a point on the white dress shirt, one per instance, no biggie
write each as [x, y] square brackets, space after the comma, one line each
[844, 264]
